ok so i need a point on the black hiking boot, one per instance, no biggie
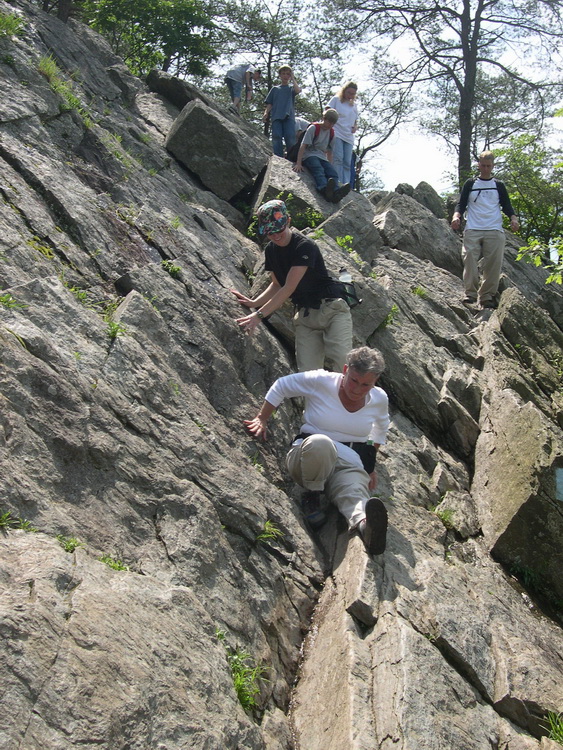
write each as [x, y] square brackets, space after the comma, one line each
[374, 529]
[328, 190]
[313, 513]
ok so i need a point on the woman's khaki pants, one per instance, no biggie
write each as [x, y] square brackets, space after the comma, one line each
[316, 465]
[323, 334]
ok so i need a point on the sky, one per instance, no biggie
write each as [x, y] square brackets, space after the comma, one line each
[412, 157]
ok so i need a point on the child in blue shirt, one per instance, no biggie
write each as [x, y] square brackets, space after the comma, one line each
[279, 106]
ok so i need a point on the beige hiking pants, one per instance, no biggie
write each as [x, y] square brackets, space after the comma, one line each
[323, 334]
[317, 464]
[487, 244]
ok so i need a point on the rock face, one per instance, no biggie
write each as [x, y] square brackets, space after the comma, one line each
[137, 560]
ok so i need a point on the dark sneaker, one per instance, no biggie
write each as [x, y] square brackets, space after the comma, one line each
[374, 532]
[341, 192]
[313, 513]
[328, 190]
[488, 304]
[469, 300]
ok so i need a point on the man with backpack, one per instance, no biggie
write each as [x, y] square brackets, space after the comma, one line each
[482, 198]
[315, 153]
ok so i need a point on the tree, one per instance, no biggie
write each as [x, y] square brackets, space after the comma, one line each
[270, 34]
[503, 108]
[533, 173]
[178, 36]
[456, 53]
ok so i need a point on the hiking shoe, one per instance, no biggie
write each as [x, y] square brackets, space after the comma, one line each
[341, 192]
[488, 304]
[374, 528]
[313, 513]
[328, 190]
[469, 300]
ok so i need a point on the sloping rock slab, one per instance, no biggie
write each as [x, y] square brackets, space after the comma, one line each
[405, 224]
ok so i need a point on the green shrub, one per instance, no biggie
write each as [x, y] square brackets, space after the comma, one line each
[7, 521]
[115, 329]
[6, 300]
[270, 531]
[244, 671]
[113, 562]
[389, 318]
[446, 517]
[419, 291]
[555, 726]
[68, 543]
[10, 24]
[48, 67]
[170, 268]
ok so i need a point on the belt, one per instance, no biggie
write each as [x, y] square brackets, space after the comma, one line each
[315, 305]
[350, 444]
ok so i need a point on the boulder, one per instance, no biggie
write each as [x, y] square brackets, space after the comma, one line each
[429, 198]
[405, 224]
[306, 205]
[354, 219]
[403, 188]
[522, 522]
[212, 147]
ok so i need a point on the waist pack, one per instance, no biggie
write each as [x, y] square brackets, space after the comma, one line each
[367, 453]
[349, 294]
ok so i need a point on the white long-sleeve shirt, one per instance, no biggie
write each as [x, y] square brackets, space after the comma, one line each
[325, 414]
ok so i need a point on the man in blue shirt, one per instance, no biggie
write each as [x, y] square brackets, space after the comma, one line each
[280, 108]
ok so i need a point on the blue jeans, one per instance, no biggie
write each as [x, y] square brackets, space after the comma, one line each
[321, 169]
[283, 130]
[341, 158]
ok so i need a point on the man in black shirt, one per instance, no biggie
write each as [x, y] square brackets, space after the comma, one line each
[323, 324]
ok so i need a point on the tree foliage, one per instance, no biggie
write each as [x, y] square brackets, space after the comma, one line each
[178, 36]
[456, 51]
[282, 32]
[533, 173]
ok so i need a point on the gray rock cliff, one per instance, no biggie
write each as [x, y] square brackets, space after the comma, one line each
[124, 382]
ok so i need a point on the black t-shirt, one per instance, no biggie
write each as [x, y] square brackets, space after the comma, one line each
[316, 284]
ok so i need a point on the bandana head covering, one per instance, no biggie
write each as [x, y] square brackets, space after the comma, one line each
[272, 218]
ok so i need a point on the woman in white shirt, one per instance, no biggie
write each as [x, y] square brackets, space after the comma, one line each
[345, 420]
[343, 142]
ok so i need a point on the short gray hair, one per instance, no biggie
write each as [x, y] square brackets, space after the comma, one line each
[366, 360]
